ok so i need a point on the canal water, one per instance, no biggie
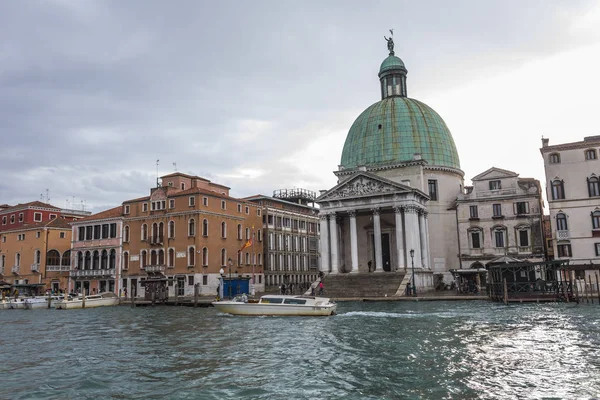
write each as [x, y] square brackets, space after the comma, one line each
[386, 350]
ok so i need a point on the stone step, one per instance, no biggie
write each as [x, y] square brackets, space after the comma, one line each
[362, 284]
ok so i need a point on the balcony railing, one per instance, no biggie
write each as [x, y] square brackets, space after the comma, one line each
[562, 235]
[93, 273]
[35, 267]
[15, 269]
[58, 268]
[154, 269]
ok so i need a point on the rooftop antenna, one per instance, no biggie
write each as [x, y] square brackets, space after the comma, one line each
[175, 166]
[47, 196]
[157, 161]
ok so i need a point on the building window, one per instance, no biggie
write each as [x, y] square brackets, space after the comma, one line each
[144, 207]
[190, 280]
[433, 192]
[258, 213]
[521, 207]
[204, 227]
[205, 201]
[239, 208]
[144, 232]
[497, 209]
[125, 233]
[61, 235]
[191, 227]
[495, 185]
[4, 220]
[205, 256]
[523, 237]
[126, 260]
[239, 231]
[223, 257]
[473, 212]
[126, 210]
[204, 280]
[191, 256]
[475, 239]
[20, 217]
[561, 222]
[564, 250]
[52, 216]
[593, 187]
[171, 258]
[554, 158]
[247, 210]
[590, 154]
[596, 219]
[182, 185]
[558, 190]
[223, 229]
[223, 205]
[597, 247]
[499, 238]
[37, 217]
[38, 234]
[192, 201]
[171, 229]
[171, 203]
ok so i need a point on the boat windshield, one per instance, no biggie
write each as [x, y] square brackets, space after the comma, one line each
[294, 301]
[271, 300]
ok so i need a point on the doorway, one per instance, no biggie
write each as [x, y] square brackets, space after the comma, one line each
[385, 252]
[180, 285]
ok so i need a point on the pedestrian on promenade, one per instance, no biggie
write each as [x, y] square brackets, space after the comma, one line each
[321, 288]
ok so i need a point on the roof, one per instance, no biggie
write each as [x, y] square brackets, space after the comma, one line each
[393, 130]
[391, 63]
[56, 223]
[30, 204]
[110, 213]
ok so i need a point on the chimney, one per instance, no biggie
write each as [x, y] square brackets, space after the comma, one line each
[545, 142]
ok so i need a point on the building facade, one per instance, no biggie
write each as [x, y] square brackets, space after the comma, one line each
[97, 253]
[573, 192]
[35, 257]
[190, 231]
[500, 215]
[291, 237]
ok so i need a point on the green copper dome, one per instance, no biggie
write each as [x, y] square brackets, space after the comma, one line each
[392, 62]
[394, 129]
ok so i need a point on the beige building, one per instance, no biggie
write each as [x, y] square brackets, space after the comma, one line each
[500, 215]
[573, 190]
[189, 232]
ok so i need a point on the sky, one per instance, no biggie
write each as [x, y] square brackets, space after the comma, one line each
[260, 95]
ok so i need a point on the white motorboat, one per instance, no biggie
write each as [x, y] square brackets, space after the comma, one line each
[278, 305]
[4, 304]
[93, 300]
[15, 304]
[41, 302]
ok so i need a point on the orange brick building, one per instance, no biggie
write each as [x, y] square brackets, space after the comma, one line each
[187, 232]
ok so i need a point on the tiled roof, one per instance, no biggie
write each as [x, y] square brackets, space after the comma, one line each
[110, 213]
[58, 223]
[31, 204]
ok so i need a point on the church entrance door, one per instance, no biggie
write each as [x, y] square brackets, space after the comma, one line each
[385, 252]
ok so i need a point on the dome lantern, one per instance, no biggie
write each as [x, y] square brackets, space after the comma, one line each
[392, 73]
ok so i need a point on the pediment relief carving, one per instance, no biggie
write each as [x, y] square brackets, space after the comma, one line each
[361, 186]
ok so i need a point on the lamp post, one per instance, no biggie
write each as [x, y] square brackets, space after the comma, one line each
[412, 262]
[222, 273]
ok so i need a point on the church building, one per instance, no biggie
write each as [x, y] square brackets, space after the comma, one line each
[393, 209]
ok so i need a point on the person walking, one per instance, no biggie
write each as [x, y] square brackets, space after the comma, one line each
[321, 288]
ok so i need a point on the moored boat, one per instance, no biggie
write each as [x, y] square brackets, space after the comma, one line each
[278, 305]
[15, 304]
[41, 302]
[94, 300]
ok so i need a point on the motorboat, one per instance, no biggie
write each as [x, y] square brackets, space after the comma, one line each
[41, 302]
[4, 304]
[284, 305]
[18, 303]
[93, 300]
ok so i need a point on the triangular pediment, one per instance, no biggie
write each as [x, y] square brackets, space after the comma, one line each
[495, 173]
[364, 184]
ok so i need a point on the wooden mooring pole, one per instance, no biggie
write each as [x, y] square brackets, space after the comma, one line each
[49, 299]
[132, 301]
[591, 289]
[597, 287]
[585, 293]
[505, 292]
[196, 293]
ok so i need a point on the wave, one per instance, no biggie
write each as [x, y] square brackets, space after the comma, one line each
[377, 314]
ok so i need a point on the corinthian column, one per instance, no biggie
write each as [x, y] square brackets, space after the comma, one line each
[324, 243]
[333, 233]
[399, 238]
[377, 237]
[423, 237]
[353, 241]
[412, 233]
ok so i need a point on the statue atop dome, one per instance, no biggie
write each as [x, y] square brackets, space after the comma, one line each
[390, 42]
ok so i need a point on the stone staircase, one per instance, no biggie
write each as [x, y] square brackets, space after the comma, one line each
[364, 285]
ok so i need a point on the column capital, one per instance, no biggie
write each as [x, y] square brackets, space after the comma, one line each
[352, 213]
[423, 212]
[323, 217]
[376, 211]
[410, 208]
[398, 209]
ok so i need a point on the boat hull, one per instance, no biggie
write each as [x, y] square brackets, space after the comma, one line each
[257, 309]
[71, 304]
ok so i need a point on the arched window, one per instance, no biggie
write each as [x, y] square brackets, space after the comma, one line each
[126, 234]
[191, 256]
[171, 229]
[66, 258]
[205, 256]
[554, 158]
[18, 260]
[104, 260]
[161, 232]
[38, 257]
[247, 233]
[247, 258]
[171, 258]
[112, 259]
[52, 257]
[204, 227]
[239, 260]
[259, 259]
[88, 260]
[79, 260]
[126, 260]
[561, 222]
[558, 189]
[590, 154]
[153, 260]
[475, 238]
[239, 231]
[191, 227]
[154, 232]
[161, 257]
[143, 259]
[593, 187]
[596, 219]
[223, 257]
[144, 232]
[223, 229]
[96, 259]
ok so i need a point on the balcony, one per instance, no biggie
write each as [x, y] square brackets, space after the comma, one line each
[562, 235]
[58, 268]
[15, 269]
[154, 269]
[93, 273]
[156, 240]
[35, 267]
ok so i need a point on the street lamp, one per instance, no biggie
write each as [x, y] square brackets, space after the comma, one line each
[412, 261]
[222, 273]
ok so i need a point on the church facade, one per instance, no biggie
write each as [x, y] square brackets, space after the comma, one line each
[394, 207]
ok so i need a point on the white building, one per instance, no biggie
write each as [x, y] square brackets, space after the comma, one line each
[501, 214]
[573, 190]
